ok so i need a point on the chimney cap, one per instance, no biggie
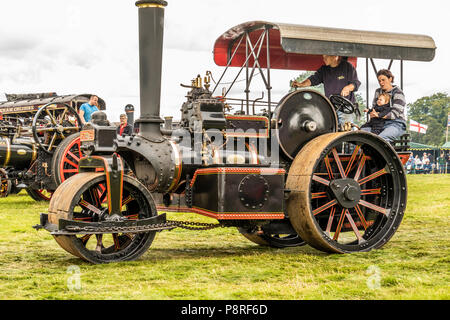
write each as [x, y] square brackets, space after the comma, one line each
[156, 3]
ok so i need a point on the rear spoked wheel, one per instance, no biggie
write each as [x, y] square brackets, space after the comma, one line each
[349, 192]
[82, 198]
[66, 158]
[5, 184]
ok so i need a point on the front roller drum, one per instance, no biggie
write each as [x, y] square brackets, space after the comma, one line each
[348, 192]
[83, 197]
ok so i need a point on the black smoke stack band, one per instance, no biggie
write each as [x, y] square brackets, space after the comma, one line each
[151, 32]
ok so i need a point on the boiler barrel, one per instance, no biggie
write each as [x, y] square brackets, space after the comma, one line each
[16, 156]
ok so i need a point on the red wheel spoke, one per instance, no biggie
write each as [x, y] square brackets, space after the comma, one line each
[374, 207]
[70, 171]
[361, 217]
[83, 219]
[116, 241]
[339, 226]
[102, 194]
[321, 180]
[366, 192]
[132, 216]
[99, 243]
[318, 195]
[127, 200]
[89, 206]
[95, 197]
[325, 207]
[338, 162]
[71, 163]
[330, 171]
[73, 156]
[373, 176]
[353, 225]
[85, 238]
[352, 159]
[360, 167]
[330, 219]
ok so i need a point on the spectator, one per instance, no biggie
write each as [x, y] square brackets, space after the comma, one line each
[395, 124]
[418, 164]
[410, 164]
[383, 107]
[426, 164]
[87, 109]
[441, 163]
[124, 129]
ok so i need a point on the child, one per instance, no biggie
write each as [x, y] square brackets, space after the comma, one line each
[376, 125]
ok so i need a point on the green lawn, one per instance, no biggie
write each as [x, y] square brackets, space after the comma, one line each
[222, 264]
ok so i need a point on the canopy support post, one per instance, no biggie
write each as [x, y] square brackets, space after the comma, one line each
[367, 86]
[401, 74]
[228, 64]
[390, 64]
[373, 66]
[261, 39]
[247, 81]
[269, 87]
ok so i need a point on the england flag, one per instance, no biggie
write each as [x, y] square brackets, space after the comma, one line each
[417, 127]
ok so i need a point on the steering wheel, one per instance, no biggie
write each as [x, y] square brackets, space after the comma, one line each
[52, 123]
[342, 104]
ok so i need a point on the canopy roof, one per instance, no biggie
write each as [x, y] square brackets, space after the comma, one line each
[446, 146]
[419, 146]
[300, 47]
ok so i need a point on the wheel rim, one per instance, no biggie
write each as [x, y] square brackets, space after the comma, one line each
[45, 194]
[66, 159]
[41, 194]
[88, 204]
[354, 193]
[70, 159]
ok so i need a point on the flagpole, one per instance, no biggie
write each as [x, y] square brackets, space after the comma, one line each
[448, 123]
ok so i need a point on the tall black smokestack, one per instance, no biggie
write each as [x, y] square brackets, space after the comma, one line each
[151, 31]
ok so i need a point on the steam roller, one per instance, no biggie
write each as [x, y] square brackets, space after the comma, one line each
[283, 178]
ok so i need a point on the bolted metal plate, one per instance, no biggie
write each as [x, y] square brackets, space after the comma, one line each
[253, 191]
[301, 116]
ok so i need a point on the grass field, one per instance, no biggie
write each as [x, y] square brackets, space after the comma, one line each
[222, 264]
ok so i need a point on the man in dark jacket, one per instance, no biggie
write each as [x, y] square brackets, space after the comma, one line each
[124, 129]
[338, 76]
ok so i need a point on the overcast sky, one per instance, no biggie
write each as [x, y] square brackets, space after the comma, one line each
[91, 46]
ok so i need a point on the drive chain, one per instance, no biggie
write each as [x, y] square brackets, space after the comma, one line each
[168, 225]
